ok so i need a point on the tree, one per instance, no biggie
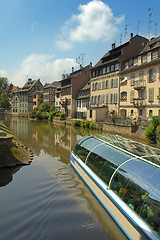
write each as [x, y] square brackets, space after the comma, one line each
[45, 107]
[4, 101]
[3, 83]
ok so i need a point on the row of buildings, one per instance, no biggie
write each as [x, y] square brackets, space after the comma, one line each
[126, 81]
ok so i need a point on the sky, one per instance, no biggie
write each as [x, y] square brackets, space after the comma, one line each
[43, 39]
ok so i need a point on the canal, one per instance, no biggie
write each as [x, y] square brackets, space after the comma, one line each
[47, 200]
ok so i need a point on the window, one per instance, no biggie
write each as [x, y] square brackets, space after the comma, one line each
[144, 58]
[90, 115]
[112, 68]
[93, 87]
[104, 70]
[154, 55]
[99, 86]
[102, 99]
[93, 74]
[107, 98]
[123, 96]
[126, 65]
[132, 112]
[116, 83]
[135, 61]
[141, 75]
[151, 94]
[140, 112]
[131, 95]
[115, 98]
[108, 69]
[117, 67]
[132, 79]
[111, 98]
[150, 112]
[101, 71]
[152, 75]
[103, 85]
[96, 86]
[107, 84]
[112, 83]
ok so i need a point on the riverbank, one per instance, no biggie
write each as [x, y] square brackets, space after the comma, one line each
[12, 151]
[136, 131]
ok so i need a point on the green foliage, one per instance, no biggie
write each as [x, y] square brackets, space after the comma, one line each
[52, 115]
[150, 134]
[52, 109]
[33, 113]
[76, 123]
[158, 134]
[3, 83]
[60, 115]
[114, 117]
[92, 125]
[41, 115]
[4, 101]
[44, 107]
[85, 124]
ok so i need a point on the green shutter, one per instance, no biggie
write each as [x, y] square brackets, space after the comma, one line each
[154, 74]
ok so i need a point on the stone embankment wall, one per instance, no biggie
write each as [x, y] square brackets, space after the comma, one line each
[124, 128]
[12, 151]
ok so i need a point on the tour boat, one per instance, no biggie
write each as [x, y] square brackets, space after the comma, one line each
[124, 175]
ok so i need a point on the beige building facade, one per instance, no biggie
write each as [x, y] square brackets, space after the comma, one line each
[140, 83]
[105, 80]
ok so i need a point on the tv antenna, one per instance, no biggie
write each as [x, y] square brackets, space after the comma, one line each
[138, 26]
[121, 39]
[156, 29]
[82, 58]
[149, 22]
[125, 32]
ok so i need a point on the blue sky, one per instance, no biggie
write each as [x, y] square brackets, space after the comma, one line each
[43, 38]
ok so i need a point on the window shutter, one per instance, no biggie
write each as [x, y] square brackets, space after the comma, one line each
[154, 74]
[147, 76]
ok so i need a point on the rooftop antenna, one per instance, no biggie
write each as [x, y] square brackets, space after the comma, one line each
[78, 62]
[149, 22]
[125, 32]
[138, 26]
[121, 39]
[82, 58]
[156, 29]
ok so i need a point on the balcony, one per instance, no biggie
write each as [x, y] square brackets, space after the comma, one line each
[139, 85]
[139, 102]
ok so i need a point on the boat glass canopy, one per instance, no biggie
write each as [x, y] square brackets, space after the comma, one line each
[129, 168]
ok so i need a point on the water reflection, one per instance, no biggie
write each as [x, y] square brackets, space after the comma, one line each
[51, 189]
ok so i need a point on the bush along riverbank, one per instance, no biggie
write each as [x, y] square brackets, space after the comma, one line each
[46, 112]
[12, 151]
[152, 133]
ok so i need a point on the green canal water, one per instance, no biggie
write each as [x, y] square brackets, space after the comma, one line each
[47, 200]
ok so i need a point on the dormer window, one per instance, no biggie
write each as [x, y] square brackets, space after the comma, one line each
[154, 55]
[116, 66]
[135, 61]
[144, 58]
[126, 65]
[108, 69]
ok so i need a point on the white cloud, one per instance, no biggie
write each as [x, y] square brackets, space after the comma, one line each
[41, 66]
[64, 45]
[4, 73]
[95, 22]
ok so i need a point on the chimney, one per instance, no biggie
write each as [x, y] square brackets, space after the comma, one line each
[72, 69]
[113, 46]
[131, 35]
